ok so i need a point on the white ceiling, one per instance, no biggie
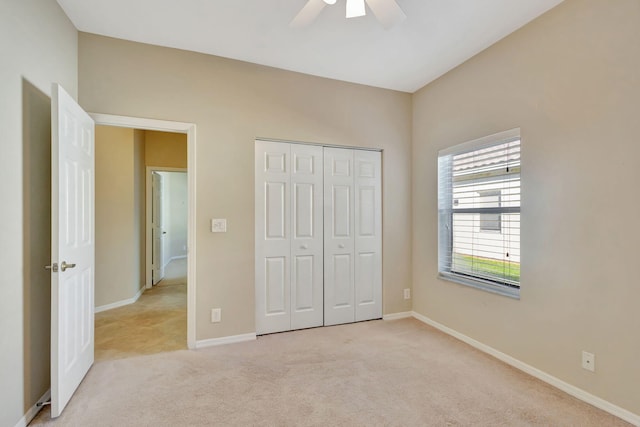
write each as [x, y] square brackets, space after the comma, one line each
[437, 35]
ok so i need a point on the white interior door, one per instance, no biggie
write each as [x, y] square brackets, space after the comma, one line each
[73, 242]
[273, 236]
[306, 236]
[338, 236]
[368, 235]
[157, 232]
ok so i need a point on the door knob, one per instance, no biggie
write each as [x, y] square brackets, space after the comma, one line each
[304, 247]
[64, 266]
[341, 246]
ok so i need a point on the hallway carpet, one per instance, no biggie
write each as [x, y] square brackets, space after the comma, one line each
[378, 373]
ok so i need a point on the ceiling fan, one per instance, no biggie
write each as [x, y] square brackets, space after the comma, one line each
[387, 11]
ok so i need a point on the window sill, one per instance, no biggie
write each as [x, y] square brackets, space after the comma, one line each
[481, 284]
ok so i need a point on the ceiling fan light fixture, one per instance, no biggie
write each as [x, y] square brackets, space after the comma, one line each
[355, 8]
[330, 2]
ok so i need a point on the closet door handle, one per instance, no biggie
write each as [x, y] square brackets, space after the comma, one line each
[341, 246]
[304, 247]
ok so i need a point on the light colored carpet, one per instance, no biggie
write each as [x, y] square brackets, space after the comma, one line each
[156, 323]
[379, 373]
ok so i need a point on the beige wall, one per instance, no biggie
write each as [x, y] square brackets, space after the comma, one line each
[39, 46]
[36, 185]
[119, 202]
[570, 80]
[166, 149]
[232, 103]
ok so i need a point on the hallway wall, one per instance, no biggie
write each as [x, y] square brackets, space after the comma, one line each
[168, 149]
[119, 203]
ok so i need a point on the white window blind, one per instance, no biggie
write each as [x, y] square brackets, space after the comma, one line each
[479, 213]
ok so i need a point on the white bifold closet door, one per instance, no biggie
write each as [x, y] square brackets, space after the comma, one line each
[352, 236]
[289, 238]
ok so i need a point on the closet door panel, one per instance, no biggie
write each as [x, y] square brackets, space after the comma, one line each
[307, 237]
[342, 279]
[275, 284]
[273, 237]
[302, 284]
[368, 235]
[338, 236]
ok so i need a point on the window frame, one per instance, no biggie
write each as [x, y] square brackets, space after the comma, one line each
[446, 211]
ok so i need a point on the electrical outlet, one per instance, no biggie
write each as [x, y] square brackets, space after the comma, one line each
[588, 361]
[216, 315]
[407, 293]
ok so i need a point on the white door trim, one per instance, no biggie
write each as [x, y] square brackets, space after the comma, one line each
[190, 130]
[148, 234]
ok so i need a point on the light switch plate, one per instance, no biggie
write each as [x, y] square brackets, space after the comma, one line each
[218, 225]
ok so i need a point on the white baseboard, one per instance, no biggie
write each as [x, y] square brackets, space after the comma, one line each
[537, 373]
[33, 411]
[120, 303]
[396, 316]
[225, 340]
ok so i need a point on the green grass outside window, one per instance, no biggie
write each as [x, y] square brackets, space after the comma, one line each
[490, 268]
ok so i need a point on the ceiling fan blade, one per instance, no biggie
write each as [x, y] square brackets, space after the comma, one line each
[308, 14]
[387, 11]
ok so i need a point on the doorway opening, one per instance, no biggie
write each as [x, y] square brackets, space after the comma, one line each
[166, 224]
[155, 311]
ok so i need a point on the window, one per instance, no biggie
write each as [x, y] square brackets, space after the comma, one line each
[479, 213]
[490, 221]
